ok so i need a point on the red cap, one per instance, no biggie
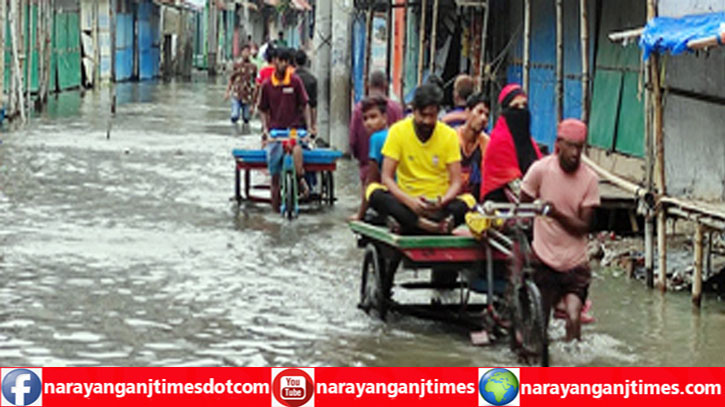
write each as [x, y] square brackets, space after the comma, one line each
[573, 130]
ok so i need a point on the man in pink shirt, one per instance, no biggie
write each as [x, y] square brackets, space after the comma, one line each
[560, 240]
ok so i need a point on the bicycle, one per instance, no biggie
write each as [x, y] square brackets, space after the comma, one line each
[289, 206]
[527, 322]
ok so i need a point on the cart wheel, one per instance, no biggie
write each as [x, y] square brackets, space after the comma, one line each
[528, 326]
[374, 291]
[289, 196]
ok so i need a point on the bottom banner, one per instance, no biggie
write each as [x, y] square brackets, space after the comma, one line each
[298, 387]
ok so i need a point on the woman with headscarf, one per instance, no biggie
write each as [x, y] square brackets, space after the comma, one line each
[511, 150]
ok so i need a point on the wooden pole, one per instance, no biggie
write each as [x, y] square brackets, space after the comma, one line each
[368, 48]
[433, 39]
[559, 60]
[96, 46]
[655, 160]
[22, 50]
[28, 58]
[484, 36]
[584, 31]
[12, 94]
[40, 47]
[527, 44]
[391, 34]
[3, 20]
[213, 36]
[405, 52]
[421, 39]
[48, 50]
[17, 72]
[112, 87]
[660, 173]
[697, 275]
[649, 225]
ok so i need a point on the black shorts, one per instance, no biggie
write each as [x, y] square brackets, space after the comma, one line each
[556, 284]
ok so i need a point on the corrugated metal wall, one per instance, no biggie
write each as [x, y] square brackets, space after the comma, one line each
[31, 41]
[66, 57]
[200, 38]
[679, 8]
[124, 46]
[693, 125]
[149, 40]
[617, 119]
[542, 94]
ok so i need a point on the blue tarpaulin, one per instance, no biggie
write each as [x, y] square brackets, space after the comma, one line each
[667, 34]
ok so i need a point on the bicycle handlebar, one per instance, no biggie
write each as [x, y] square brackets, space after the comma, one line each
[514, 210]
[286, 133]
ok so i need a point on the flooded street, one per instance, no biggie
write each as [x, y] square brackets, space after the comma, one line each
[128, 252]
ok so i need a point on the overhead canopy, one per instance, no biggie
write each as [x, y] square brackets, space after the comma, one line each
[676, 35]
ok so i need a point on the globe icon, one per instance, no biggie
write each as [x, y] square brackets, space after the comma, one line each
[498, 387]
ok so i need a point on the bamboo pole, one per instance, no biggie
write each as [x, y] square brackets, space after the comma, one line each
[28, 58]
[697, 275]
[649, 226]
[3, 20]
[389, 38]
[17, 72]
[527, 44]
[484, 36]
[559, 60]
[658, 139]
[212, 40]
[368, 48]
[12, 94]
[712, 41]
[421, 40]
[40, 47]
[23, 58]
[48, 49]
[636, 191]
[659, 168]
[433, 38]
[96, 46]
[626, 35]
[584, 33]
[405, 51]
[112, 87]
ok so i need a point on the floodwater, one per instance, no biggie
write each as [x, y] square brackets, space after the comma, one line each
[127, 251]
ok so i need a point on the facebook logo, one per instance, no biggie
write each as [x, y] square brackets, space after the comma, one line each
[22, 387]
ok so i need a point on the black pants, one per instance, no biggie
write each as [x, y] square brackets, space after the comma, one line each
[387, 205]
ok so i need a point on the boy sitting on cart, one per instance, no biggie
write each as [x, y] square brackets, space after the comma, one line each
[375, 121]
[421, 172]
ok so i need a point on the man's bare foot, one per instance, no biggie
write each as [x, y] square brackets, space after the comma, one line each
[304, 188]
[393, 225]
[354, 217]
[445, 227]
[428, 225]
